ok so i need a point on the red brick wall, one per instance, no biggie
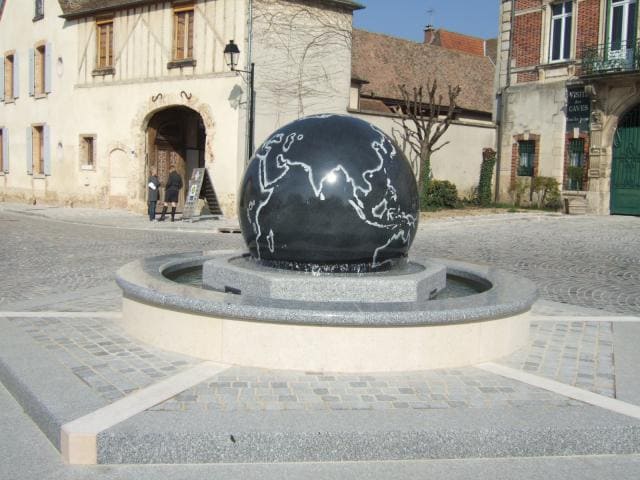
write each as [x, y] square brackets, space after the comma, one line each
[587, 25]
[528, 77]
[524, 4]
[527, 31]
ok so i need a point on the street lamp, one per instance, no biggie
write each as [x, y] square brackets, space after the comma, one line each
[231, 56]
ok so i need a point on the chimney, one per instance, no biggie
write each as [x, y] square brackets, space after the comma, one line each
[429, 34]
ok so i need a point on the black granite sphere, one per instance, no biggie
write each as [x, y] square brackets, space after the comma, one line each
[329, 193]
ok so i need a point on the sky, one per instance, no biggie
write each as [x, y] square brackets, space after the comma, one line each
[407, 18]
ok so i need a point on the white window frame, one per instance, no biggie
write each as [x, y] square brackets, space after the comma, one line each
[624, 39]
[566, 19]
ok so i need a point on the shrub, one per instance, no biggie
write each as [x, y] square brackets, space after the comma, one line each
[517, 190]
[575, 175]
[484, 197]
[547, 190]
[441, 193]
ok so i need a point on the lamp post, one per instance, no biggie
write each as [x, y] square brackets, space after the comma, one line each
[231, 55]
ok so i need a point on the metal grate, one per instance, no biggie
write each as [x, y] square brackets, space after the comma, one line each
[526, 153]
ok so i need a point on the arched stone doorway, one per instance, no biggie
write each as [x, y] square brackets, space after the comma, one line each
[625, 168]
[175, 135]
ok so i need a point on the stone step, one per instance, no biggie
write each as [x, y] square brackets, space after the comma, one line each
[341, 436]
[576, 205]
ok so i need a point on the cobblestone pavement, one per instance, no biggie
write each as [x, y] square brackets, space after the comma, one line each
[582, 260]
[244, 389]
[575, 353]
[65, 266]
[100, 354]
[105, 358]
[49, 264]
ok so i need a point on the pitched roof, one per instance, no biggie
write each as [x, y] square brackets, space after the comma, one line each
[76, 8]
[459, 41]
[374, 105]
[386, 62]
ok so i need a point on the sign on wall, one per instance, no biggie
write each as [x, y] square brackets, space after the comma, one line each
[200, 186]
[578, 109]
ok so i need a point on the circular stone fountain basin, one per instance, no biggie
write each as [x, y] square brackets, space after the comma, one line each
[338, 336]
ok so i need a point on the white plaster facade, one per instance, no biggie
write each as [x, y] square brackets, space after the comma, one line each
[117, 108]
[460, 160]
[302, 55]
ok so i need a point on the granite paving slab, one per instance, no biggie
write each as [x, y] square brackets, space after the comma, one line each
[576, 353]
[101, 355]
[338, 436]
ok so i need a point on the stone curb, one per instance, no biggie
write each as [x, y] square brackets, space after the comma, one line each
[271, 437]
[47, 392]
[52, 396]
[142, 280]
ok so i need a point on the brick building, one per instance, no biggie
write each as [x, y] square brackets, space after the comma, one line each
[569, 100]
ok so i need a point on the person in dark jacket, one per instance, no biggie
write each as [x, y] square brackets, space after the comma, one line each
[172, 189]
[153, 195]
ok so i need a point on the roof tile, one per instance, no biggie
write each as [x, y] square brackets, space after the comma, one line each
[386, 62]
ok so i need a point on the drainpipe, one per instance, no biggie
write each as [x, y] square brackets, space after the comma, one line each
[250, 101]
[501, 105]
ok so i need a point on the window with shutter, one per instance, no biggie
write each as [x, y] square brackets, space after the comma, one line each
[105, 44]
[39, 70]
[9, 75]
[183, 32]
[37, 149]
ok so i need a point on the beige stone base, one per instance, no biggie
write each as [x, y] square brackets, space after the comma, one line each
[324, 348]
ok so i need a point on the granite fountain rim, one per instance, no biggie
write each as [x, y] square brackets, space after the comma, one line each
[144, 280]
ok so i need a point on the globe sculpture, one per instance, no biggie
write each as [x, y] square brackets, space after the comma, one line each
[328, 209]
[329, 193]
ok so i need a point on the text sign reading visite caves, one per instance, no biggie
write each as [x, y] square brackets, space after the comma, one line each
[578, 109]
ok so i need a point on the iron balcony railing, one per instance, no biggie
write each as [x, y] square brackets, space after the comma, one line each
[610, 58]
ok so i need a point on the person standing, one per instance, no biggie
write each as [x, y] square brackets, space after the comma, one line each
[153, 194]
[174, 184]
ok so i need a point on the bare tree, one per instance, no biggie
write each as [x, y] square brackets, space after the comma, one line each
[424, 120]
[298, 52]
